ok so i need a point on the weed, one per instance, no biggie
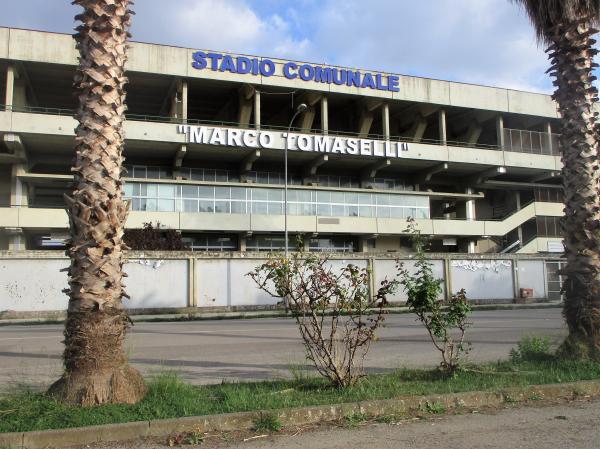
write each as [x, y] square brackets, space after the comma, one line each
[433, 408]
[536, 396]
[531, 348]
[354, 419]
[267, 422]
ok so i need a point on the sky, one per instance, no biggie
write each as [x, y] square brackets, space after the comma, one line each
[488, 42]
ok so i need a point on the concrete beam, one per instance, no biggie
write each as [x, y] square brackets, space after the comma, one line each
[472, 134]
[246, 92]
[408, 114]
[426, 175]
[366, 115]
[179, 156]
[544, 176]
[248, 161]
[307, 119]
[371, 171]
[311, 169]
[418, 129]
[14, 144]
[485, 175]
[167, 106]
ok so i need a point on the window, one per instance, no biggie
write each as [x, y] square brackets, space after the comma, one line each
[270, 201]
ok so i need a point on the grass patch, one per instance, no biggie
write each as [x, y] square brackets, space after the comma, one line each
[169, 397]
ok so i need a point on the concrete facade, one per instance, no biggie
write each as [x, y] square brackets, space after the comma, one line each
[465, 152]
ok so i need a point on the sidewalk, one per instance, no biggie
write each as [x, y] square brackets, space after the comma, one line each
[249, 314]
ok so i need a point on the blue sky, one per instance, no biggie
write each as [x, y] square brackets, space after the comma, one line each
[476, 41]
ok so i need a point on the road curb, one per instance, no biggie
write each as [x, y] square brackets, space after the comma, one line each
[47, 439]
[255, 314]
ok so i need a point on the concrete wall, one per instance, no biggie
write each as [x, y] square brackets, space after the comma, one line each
[25, 45]
[181, 280]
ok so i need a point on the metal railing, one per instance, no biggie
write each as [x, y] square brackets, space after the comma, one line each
[532, 142]
[515, 140]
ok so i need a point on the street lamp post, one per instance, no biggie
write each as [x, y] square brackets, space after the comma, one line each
[301, 108]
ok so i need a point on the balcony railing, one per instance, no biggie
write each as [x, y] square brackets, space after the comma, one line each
[533, 142]
[515, 140]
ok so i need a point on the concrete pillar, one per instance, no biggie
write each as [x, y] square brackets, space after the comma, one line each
[385, 121]
[257, 109]
[184, 101]
[16, 240]
[10, 86]
[447, 279]
[442, 127]
[324, 115]
[548, 142]
[500, 131]
[242, 243]
[18, 189]
[470, 216]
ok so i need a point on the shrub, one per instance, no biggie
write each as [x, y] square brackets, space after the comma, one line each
[336, 314]
[531, 348]
[446, 321]
[153, 238]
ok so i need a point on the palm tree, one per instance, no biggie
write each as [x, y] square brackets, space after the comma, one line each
[566, 27]
[96, 369]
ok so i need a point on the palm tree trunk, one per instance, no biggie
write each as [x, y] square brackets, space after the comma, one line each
[96, 369]
[572, 55]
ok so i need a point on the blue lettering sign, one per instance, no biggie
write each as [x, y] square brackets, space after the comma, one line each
[243, 65]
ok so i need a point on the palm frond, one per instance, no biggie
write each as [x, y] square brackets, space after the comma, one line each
[545, 14]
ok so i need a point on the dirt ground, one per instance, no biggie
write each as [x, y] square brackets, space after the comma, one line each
[573, 425]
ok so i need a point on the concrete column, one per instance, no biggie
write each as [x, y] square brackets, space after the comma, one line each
[500, 131]
[470, 216]
[548, 138]
[385, 120]
[18, 189]
[242, 242]
[257, 109]
[10, 86]
[447, 279]
[16, 240]
[184, 101]
[325, 115]
[442, 126]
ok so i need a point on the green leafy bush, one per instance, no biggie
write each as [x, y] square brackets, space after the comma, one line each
[446, 321]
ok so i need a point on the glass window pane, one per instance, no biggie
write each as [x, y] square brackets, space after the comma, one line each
[166, 205]
[128, 189]
[190, 205]
[366, 211]
[222, 207]
[275, 208]
[324, 210]
[135, 204]
[337, 197]
[260, 208]
[337, 210]
[222, 192]
[189, 191]
[365, 198]
[206, 206]
[151, 204]
[276, 195]
[166, 191]
[238, 207]
[383, 199]
[260, 194]
[238, 193]
[323, 197]
[383, 212]
[352, 211]
[307, 209]
[206, 192]
[151, 190]
[209, 175]
[351, 198]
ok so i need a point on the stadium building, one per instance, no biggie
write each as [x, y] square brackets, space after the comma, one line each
[477, 167]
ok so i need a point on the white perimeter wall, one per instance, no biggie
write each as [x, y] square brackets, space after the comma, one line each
[30, 285]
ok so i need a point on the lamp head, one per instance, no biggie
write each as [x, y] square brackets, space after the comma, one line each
[301, 107]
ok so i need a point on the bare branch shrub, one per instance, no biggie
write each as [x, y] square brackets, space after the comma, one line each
[335, 311]
[446, 321]
[153, 238]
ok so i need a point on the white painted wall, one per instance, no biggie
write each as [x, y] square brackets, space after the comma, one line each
[154, 283]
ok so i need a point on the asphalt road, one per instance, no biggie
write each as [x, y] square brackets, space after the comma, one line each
[211, 351]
